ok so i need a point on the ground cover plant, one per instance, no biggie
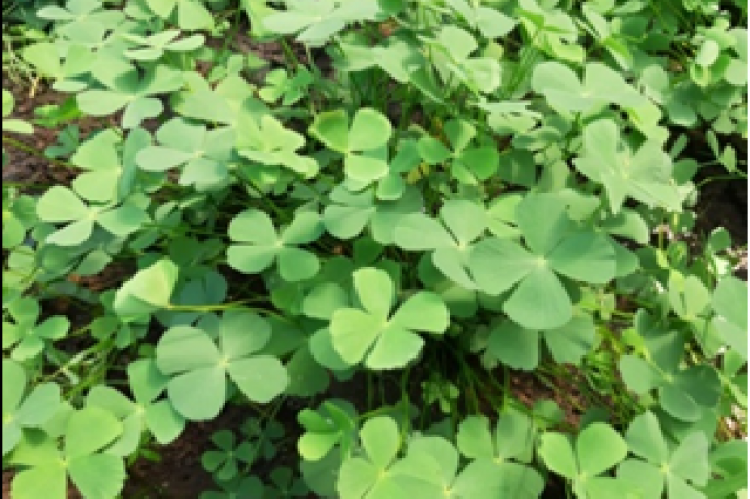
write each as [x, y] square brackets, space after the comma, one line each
[357, 223]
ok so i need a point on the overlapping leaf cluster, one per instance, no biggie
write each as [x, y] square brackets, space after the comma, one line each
[420, 189]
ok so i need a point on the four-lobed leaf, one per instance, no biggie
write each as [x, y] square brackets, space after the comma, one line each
[371, 333]
[645, 175]
[198, 367]
[360, 141]
[24, 335]
[662, 466]
[538, 299]
[261, 245]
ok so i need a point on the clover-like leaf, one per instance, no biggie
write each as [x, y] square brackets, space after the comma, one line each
[24, 410]
[387, 341]
[60, 204]
[198, 368]
[519, 348]
[318, 21]
[19, 215]
[513, 438]
[202, 155]
[601, 86]
[661, 466]
[290, 89]
[366, 477]
[262, 246]
[124, 88]
[223, 462]
[108, 176]
[597, 448]
[359, 141]
[729, 301]
[455, 62]
[190, 14]
[93, 471]
[349, 213]
[490, 22]
[450, 242]
[682, 391]
[24, 336]
[148, 290]
[333, 424]
[268, 142]
[469, 164]
[45, 58]
[645, 175]
[158, 415]
[537, 298]
[153, 47]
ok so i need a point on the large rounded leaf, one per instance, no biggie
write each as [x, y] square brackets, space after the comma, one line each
[199, 395]
[380, 439]
[98, 476]
[418, 232]
[586, 256]
[499, 264]
[260, 378]
[540, 302]
[375, 291]
[598, 448]
[395, 347]
[370, 130]
[252, 226]
[184, 348]
[89, 430]
[424, 311]
[59, 204]
[514, 346]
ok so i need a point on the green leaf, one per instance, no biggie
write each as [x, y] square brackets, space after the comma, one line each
[601, 86]
[48, 480]
[260, 378]
[499, 264]
[353, 332]
[198, 395]
[645, 176]
[370, 130]
[644, 439]
[543, 222]
[638, 375]
[59, 204]
[571, 342]
[730, 304]
[150, 289]
[539, 302]
[418, 232]
[514, 346]
[423, 311]
[599, 448]
[395, 347]
[474, 439]
[375, 291]
[98, 476]
[297, 265]
[381, 441]
[586, 256]
[332, 129]
[689, 460]
[557, 453]
[89, 430]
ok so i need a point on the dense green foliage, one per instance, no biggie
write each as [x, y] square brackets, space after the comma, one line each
[423, 196]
